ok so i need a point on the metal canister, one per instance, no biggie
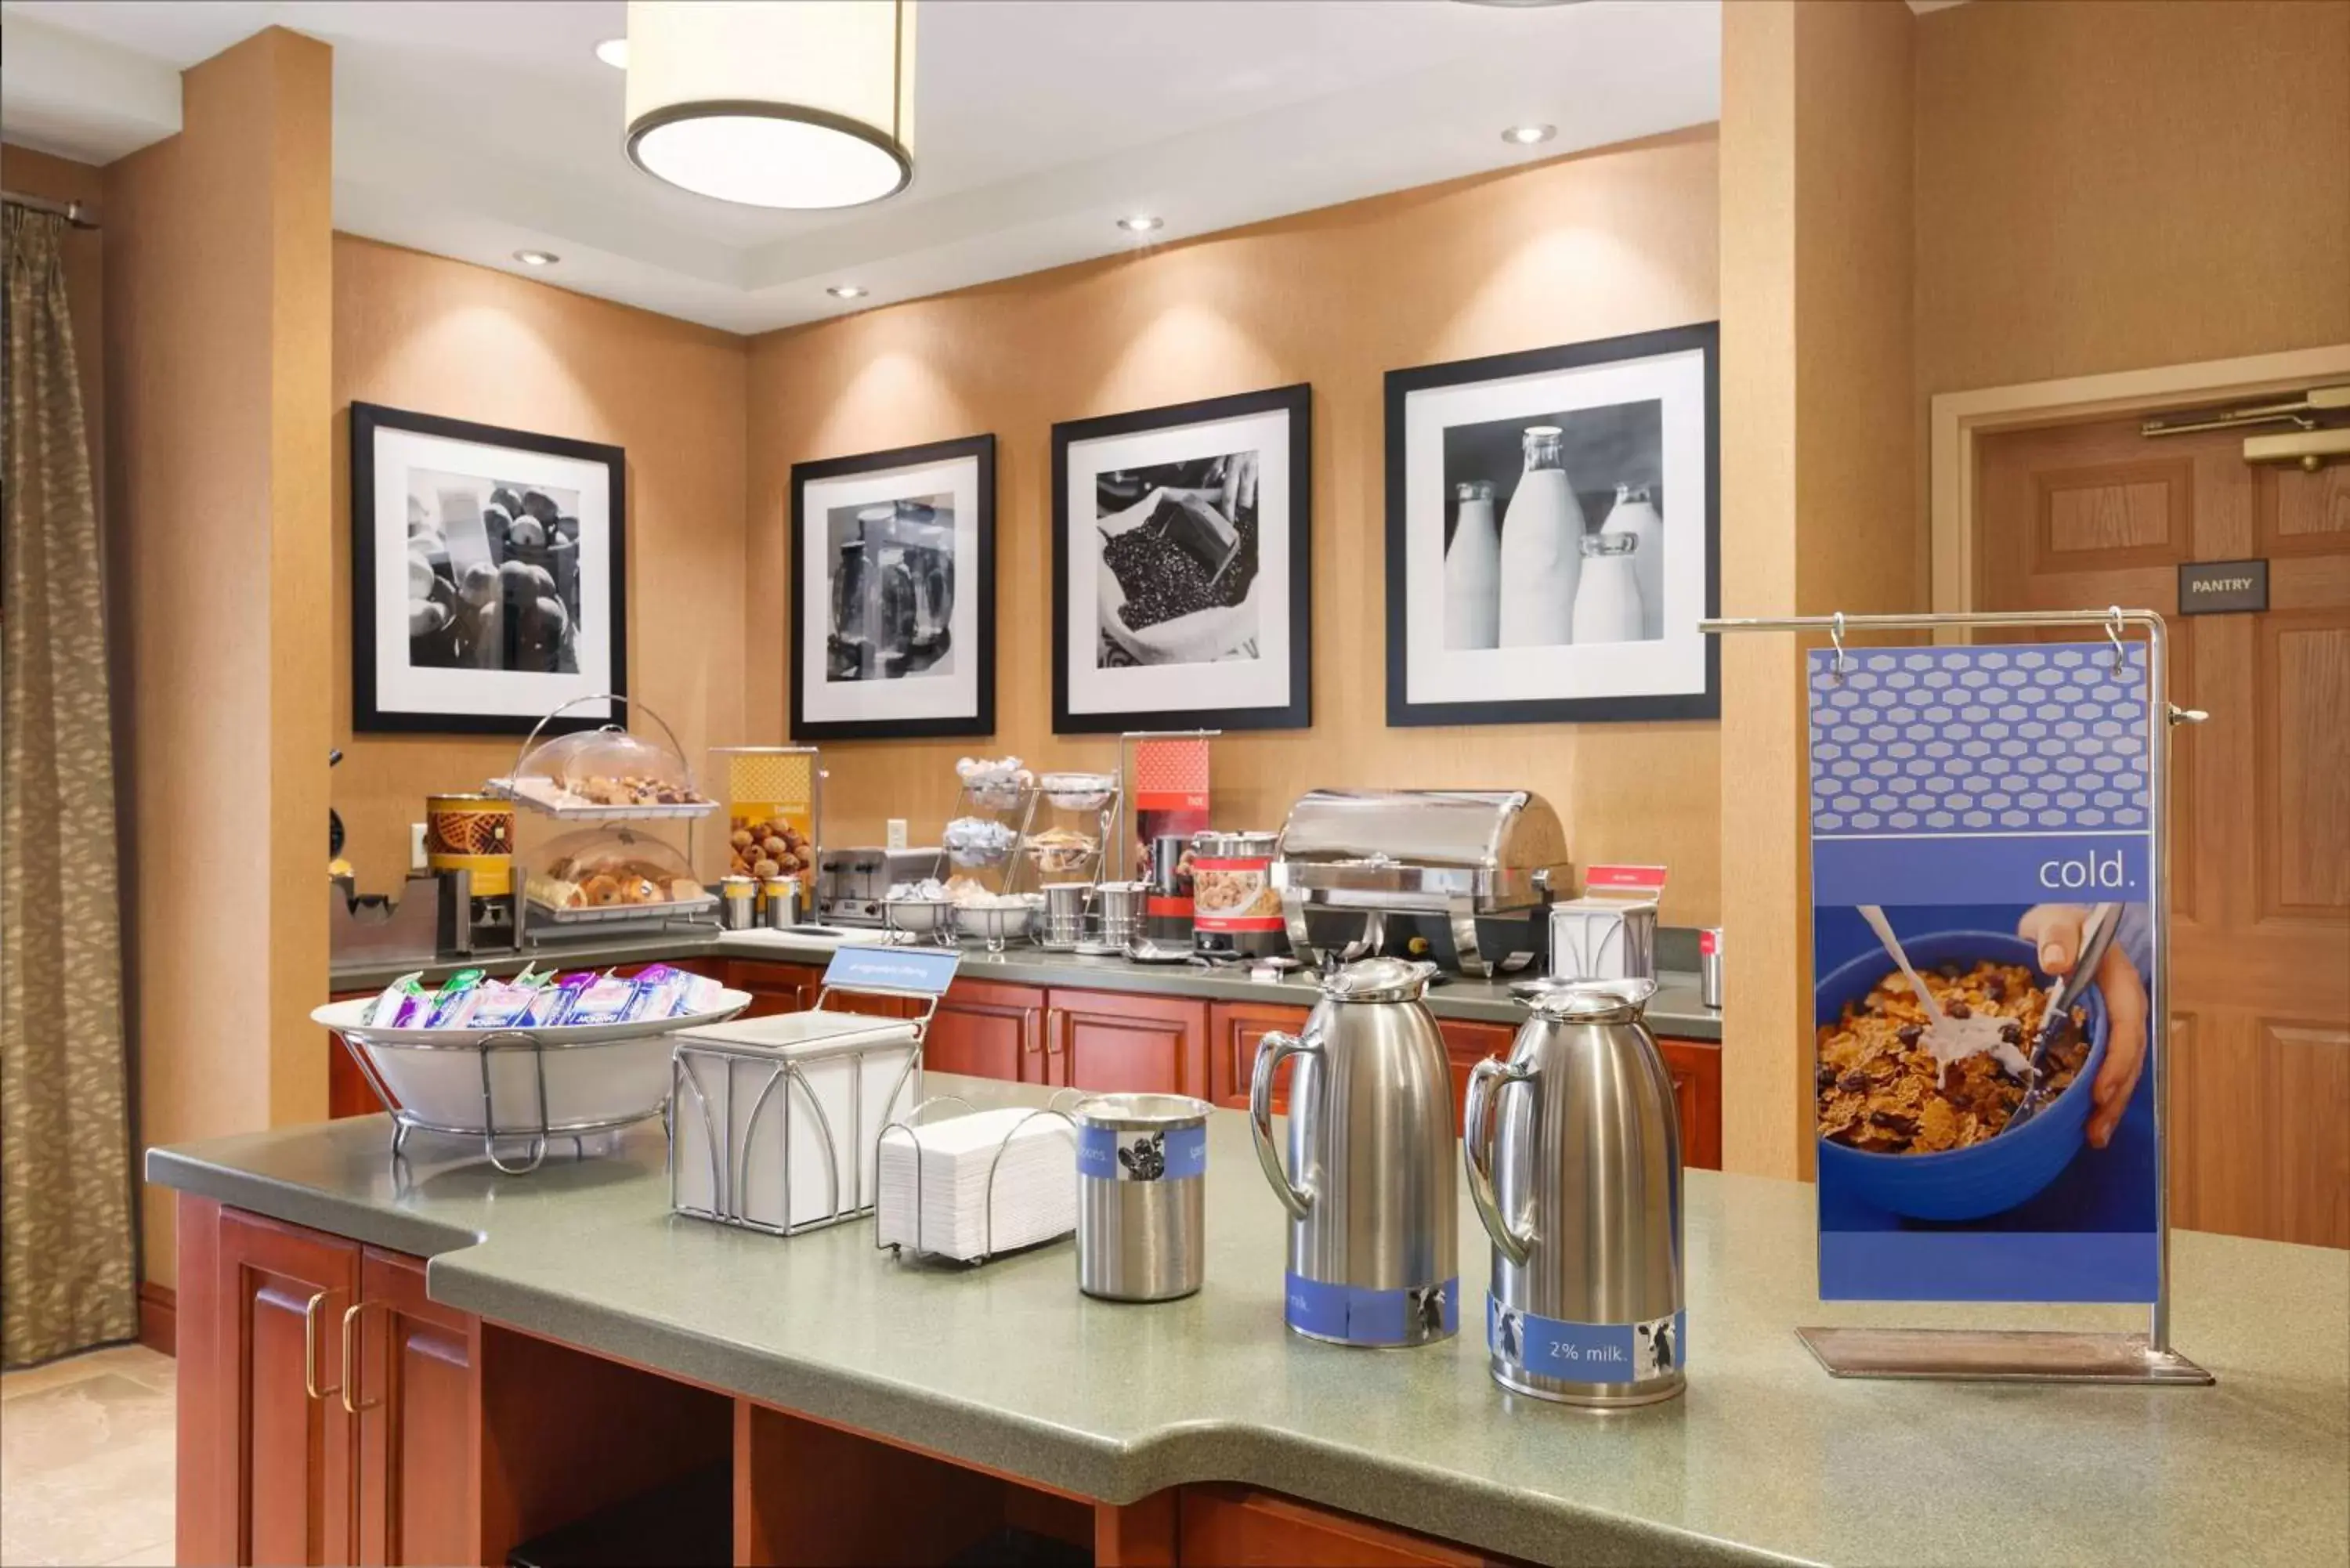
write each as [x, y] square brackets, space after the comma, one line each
[1167, 914]
[779, 902]
[738, 894]
[1119, 906]
[1065, 904]
[474, 834]
[1709, 967]
[1573, 1150]
[1142, 1196]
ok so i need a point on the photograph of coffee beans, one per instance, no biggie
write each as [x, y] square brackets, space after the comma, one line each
[1179, 560]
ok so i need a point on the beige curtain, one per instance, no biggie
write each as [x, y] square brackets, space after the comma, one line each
[66, 1246]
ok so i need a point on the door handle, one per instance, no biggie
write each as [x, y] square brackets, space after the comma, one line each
[310, 1348]
[351, 1378]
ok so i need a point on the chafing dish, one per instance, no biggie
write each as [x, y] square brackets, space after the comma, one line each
[1350, 862]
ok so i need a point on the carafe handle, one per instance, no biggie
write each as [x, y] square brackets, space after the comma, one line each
[1271, 1051]
[1477, 1151]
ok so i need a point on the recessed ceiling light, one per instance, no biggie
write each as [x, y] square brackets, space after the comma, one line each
[1527, 135]
[536, 258]
[846, 291]
[1141, 223]
[614, 52]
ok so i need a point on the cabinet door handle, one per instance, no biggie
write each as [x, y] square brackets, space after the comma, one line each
[310, 1348]
[350, 1377]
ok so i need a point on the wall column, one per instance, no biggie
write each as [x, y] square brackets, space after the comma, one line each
[218, 333]
[1819, 508]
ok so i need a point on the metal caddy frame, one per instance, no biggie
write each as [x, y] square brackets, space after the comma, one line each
[729, 1161]
[2041, 1356]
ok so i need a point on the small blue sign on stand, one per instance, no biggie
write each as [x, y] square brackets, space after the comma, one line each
[917, 972]
[1978, 816]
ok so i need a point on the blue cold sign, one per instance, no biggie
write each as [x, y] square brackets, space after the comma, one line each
[1979, 815]
[922, 972]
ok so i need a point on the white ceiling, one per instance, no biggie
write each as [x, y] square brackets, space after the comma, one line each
[474, 128]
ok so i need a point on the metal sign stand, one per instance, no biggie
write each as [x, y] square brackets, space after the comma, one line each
[2037, 1356]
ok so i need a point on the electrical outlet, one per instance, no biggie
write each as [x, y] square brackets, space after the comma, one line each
[416, 846]
[896, 833]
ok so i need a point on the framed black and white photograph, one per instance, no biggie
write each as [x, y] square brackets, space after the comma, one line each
[1182, 555]
[488, 581]
[893, 601]
[1554, 531]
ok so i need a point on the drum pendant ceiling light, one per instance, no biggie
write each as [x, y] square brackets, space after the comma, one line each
[773, 103]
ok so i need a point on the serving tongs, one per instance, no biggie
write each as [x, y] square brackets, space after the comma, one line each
[2097, 936]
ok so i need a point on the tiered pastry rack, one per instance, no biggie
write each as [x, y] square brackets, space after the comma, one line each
[699, 912]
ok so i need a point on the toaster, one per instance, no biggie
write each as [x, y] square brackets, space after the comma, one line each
[851, 883]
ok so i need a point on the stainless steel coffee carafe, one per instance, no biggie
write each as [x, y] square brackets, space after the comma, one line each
[1374, 1239]
[1574, 1152]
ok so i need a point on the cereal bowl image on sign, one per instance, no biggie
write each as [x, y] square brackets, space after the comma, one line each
[1982, 1008]
[1181, 566]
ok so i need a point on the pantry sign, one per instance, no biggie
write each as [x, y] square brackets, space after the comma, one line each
[1983, 845]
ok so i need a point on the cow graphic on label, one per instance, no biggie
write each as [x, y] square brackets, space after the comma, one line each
[1653, 1343]
[1146, 1159]
[1508, 1335]
[1426, 1307]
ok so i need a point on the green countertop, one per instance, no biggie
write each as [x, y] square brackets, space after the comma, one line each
[1675, 1011]
[1765, 1457]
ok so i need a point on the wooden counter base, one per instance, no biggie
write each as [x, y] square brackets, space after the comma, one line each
[330, 1413]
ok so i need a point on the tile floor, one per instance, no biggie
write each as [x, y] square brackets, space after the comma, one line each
[86, 1457]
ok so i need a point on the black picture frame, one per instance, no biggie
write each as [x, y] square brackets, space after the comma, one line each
[367, 717]
[1402, 712]
[978, 448]
[1296, 713]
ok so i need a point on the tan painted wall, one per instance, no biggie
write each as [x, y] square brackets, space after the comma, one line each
[2107, 184]
[216, 347]
[1612, 241]
[415, 331]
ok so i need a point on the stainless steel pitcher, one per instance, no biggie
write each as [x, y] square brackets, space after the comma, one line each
[1374, 1239]
[1573, 1152]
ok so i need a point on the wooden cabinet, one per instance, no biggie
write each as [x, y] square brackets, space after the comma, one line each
[1234, 1028]
[795, 988]
[1117, 1042]
[282, 1445]
[329, 1410]
[1696, 1068]
[1239, 1527]
[414, 1376]
[988, 1030]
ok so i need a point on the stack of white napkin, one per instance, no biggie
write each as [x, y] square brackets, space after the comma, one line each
[1035, 1185]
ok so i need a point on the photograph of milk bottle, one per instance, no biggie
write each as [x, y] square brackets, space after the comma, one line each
[1556, 532]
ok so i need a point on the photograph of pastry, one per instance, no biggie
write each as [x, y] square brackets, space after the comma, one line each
[1553, 526]
[893, 593]
[1181, 578]
[493, 573]
[893, 589]
[488, 583]
[1178, 561]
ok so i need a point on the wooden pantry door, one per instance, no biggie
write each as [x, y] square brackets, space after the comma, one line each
[2084, 515]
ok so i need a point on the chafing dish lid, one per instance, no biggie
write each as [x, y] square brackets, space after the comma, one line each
[1586, 1001]
[1488, 829]
[1378, 980]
